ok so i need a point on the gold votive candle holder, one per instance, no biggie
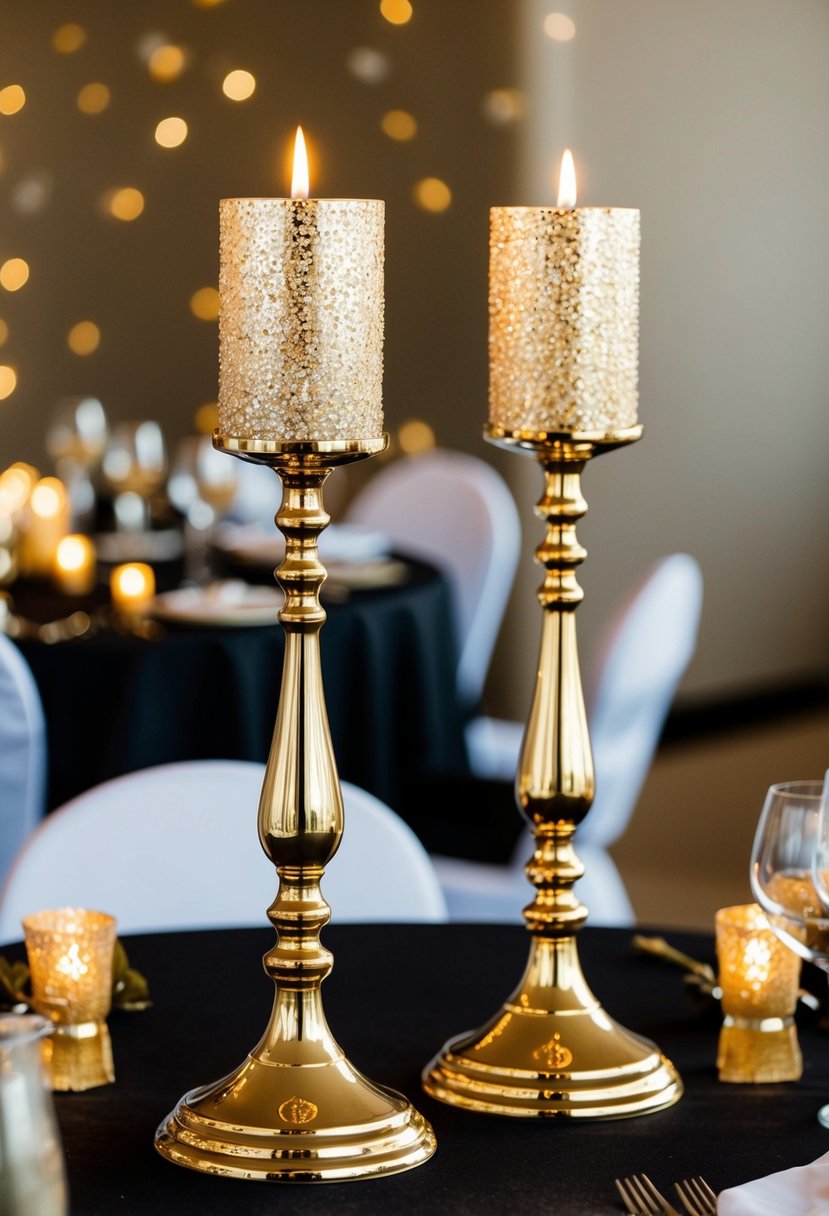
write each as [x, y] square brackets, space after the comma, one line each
[70, 958]
[759, 978]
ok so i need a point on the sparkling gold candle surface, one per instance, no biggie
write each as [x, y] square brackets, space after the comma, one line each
[301, 319]
[563, 319]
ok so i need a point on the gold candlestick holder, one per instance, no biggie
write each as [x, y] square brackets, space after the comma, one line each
[297, 1110]
[551, 1051]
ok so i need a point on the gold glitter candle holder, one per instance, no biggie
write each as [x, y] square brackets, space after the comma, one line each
[759, 978]
[301, 319]
[551, 1051]
[70, 958]
[564, 319]
[297, 1110]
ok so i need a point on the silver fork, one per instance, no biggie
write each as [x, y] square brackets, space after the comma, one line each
[697, 1197]
[641, 1198]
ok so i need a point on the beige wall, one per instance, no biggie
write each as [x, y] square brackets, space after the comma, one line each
[712, 118]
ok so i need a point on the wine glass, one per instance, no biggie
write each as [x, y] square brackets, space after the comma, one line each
[76, 439]
[203, 484]
[133, 467]
[789, 872]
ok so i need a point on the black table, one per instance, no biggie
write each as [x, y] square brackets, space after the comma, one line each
[396, 993]
[115, 703]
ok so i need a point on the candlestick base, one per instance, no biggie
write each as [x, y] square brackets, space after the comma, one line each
[312, 1122]
[551, 1051]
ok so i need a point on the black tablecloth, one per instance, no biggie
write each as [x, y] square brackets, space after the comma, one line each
[115, 703]
[396, 993]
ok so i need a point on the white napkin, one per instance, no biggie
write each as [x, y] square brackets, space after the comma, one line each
[802, 1191]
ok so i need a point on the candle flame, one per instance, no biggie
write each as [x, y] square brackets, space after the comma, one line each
[567, 182]
[299, 180]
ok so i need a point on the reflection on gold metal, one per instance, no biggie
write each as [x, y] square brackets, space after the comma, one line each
[559, 1055]
[297, 1110]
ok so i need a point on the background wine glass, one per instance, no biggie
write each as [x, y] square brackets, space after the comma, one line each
[76, 439]
[202, 486]
[134, 467]
[788, 873]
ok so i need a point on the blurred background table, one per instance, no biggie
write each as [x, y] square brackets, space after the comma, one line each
[436, 980]
[115, 702]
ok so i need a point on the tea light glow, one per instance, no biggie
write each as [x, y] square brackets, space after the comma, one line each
[75, 565]
[132, 586]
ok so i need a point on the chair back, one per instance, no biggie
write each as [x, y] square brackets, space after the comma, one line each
[22, 753]
[456, 512]
[175, 847]
[641, 659]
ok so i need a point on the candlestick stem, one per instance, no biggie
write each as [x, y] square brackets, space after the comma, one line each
[551, 1050]
[297, 1110]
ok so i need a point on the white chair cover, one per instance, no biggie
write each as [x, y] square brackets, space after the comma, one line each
[456, 512]
[642, 657]
[22, 753]
[175, 847]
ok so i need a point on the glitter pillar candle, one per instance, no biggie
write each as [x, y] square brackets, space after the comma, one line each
[301, 318]
[563, 317]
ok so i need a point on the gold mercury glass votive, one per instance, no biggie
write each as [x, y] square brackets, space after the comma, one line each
[759, 977]
[70, 958]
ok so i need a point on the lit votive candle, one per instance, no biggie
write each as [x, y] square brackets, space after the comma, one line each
[70, 958]
[132, 587]
[301, 316]
[43, 527]
[759, 978]
[563, 316]
[75, 566]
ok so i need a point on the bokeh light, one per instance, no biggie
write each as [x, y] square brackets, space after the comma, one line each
[12, 99]
[559, 27]
[204, 304]
[397, 12]
[32, 192]
[16, 485]
[207, 3]
[93, 98]
[368, 65]
[239, 85]
[432, 194]
[68, 38]
[206, 418]
[399, 124]
[166, 62]
[171, 132]
[48, 497]
[14, 274]
[8, 381]
[4, 332]
[504, 106]
[126, 204]
[415, 436]
[84, 338]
